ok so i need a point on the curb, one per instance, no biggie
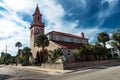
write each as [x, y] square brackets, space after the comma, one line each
[53, 71]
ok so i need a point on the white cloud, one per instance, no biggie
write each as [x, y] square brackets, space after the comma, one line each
[12, 27]
[110, 10]
[11, 33]
[20, 5]
[53, 14]
[91, 33]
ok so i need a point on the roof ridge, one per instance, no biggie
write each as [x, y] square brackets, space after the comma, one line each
[67, 34]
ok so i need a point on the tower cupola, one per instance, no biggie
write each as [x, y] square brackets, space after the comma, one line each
[37, 18]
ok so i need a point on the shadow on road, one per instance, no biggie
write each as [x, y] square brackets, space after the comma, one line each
[104, 66]
[5, 77]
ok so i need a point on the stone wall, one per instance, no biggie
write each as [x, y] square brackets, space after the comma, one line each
[88, 64]
[52, 66]
[78, 64]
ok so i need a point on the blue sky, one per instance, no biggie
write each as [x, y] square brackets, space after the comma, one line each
[70, 16]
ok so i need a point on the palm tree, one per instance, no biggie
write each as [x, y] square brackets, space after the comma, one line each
[19, 55]
[18, 44]
[103, 37]
[42, 41]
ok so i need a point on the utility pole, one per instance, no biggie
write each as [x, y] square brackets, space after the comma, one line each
[6, 48]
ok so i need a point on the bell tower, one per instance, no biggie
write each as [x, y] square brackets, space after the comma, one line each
[36, 28]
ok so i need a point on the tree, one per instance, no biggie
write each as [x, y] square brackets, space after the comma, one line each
[27, 52]
[13, 59]
[115, 45]
[86, 52]
[18, 44]
[103, 37]
[2, 54]
[5, 58]
[19, 56]
[116, 36]
[90, 52]
[83, 54]
[42, 41]
[55, 55]
[97, 48]
[116, 39]
[26, 55]
[77, 55]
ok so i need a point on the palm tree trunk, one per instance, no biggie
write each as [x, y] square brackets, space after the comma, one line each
[42, 49]
[41, 55]
[104, 44]
[17, 58]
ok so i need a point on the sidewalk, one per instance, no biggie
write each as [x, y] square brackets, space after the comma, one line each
[58, 72]
[50, 71]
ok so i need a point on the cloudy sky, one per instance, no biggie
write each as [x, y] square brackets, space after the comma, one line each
[70, 16]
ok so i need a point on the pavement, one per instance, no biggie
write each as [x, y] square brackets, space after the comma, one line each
[50, 71]
[58, 71]
[98, 72]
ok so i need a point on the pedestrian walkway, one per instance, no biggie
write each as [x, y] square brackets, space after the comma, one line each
[50, 71]
[58, 72]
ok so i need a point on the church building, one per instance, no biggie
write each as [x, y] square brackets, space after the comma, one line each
[66, 41]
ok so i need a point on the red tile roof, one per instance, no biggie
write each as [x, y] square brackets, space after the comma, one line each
[67, 45]
[66, 34]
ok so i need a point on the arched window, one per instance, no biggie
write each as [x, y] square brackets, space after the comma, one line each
[40, 30]
[38, 57]
[37, 30]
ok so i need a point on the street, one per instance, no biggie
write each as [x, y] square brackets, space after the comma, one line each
[13, 73]
[92, 73]
[100, 73]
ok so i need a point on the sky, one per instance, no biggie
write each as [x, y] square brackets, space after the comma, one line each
[70, 16]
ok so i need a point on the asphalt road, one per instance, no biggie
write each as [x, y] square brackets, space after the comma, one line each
[111, 72]
[91, 73]
[13, 73]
